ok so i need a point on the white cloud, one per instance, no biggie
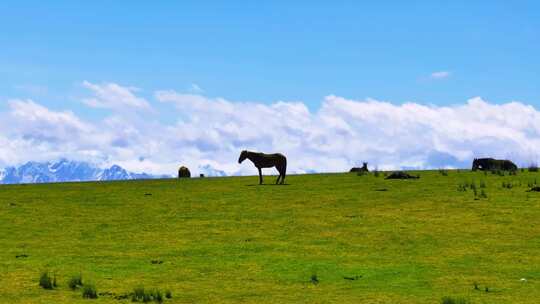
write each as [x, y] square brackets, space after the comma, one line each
[194, 88]
[45, 120]
[440, 75]
[34, 89]
[212, 131]
[114, 96]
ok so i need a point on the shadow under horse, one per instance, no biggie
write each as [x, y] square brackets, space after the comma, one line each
[261, 160]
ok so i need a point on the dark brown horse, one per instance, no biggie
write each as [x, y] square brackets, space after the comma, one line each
[261, 160]
[487, 164]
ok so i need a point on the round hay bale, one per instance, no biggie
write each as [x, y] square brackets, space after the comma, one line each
[183, 172]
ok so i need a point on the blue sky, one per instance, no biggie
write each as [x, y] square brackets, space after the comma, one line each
[250, 51]
[99, 59]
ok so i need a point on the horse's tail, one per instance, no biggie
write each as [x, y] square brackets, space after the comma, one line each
[284, 169]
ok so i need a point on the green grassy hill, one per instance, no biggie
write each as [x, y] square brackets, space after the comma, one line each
[328, 238]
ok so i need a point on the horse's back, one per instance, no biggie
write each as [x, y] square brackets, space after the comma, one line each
[274, 156]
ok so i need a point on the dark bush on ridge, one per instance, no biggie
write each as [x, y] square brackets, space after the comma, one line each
[401, 175]
[533, 167]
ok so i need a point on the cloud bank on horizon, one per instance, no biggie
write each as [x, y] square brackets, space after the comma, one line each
[211, 132]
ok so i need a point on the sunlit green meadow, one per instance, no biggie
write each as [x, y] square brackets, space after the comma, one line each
[323, 238]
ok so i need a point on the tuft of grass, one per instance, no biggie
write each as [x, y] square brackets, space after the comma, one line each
[452, 300]
[89, 291]
[75, 281]
[482, 184]
[157, 295]
[507, 185]
[46, 281]
[138, 294]
[142, 295]
[314, 279]
[483, 194]
[498, 172]
[361, 173]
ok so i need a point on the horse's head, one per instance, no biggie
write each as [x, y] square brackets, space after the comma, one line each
[475, 164]
[243, 156]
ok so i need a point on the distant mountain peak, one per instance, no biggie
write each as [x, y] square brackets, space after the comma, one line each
[208, 170]
[64, 170]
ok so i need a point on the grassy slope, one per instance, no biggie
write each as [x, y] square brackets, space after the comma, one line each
[228, 240]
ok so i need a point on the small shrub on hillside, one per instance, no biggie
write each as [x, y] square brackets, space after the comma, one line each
[89, 291]
[443, 172]
[533, 167]
[168, 294]
[452, 300]
[314, 279]
[46, 281]
[75, 282]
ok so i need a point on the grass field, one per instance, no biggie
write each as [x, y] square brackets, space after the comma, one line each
[328, 238]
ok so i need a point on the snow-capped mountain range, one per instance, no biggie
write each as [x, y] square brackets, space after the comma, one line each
[66, 171]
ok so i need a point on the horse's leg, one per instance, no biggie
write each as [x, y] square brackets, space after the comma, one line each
[283, 173]
[279, 176]
[260, 176]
